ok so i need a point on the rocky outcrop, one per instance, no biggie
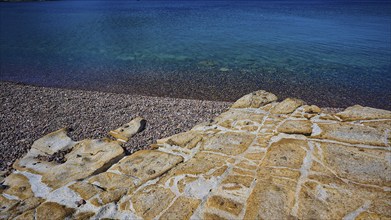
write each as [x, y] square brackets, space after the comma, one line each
[262, 159]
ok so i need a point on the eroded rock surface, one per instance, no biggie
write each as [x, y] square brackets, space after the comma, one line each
[262, 159]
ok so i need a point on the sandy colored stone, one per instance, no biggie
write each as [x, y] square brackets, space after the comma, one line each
[296, 127]
[358, 112]
[350, 133]
[287, 106]
[111, 181]
[85, 190]
[227, 118]
[255, 100]
[254, 156]
[201, 163]
[212, 216]
[106, 197]
[86, 158]
[329, 117]
[28, 215]
[216, 172]
[341, 200]
[288, 153]
[367, 215]
[312, 109]
[271, 199]
[18, 209]
[2, 176]
[19, 186]
[152, 201]
[146, 164]
[53, 142]
[182, 208]
[125, 132]
[230, 143]
[381, 126]
[6, 205]
[187, 139]
[225, 204]
[52, 210]
[279, 172]
[240, 171]
[363, 165]
[238, 180]
[24, 206]
[247, 165]
[83, 215]
[45, 146]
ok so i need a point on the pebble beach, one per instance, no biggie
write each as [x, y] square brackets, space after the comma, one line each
[28, 113]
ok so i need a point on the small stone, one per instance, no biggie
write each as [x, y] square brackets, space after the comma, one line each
[80, 202]
[128, 130]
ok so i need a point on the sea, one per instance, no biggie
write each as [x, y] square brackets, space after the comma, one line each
[328, 53]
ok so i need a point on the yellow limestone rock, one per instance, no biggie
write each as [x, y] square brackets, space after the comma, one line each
[85, 190]
[45, 146]
[52, 210]
[312, 109]
[382, 125]
[28, 215]
[112, 181]
[296, 127]
[358, 112]
[182, 208]
[278, 161]
[187, 139]
[126, 131]
[151, 201]
[361, 165]
[230, 143]
[199, 164]
[146, 164]
[255, 100]
[6, 205]
[350, 133]
[86, 158]
[27, 205]
[18, 208]
[225, 204]
[18, 186]
[287, 106]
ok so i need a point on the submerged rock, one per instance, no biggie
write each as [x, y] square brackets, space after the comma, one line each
[261, 159]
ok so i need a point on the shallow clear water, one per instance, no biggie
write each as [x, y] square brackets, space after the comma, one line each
[328, 53]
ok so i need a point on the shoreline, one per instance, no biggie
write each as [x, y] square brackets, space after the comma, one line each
[29, 112]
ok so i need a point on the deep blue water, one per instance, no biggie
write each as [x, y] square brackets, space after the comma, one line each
[329, 53]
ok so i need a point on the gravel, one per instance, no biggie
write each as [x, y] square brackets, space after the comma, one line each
[27, 113]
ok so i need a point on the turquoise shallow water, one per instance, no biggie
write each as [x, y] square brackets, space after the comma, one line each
[329, 53]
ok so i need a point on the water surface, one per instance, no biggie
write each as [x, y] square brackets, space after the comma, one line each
[329, 53]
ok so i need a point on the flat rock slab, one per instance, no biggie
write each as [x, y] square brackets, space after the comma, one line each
[261, 159]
